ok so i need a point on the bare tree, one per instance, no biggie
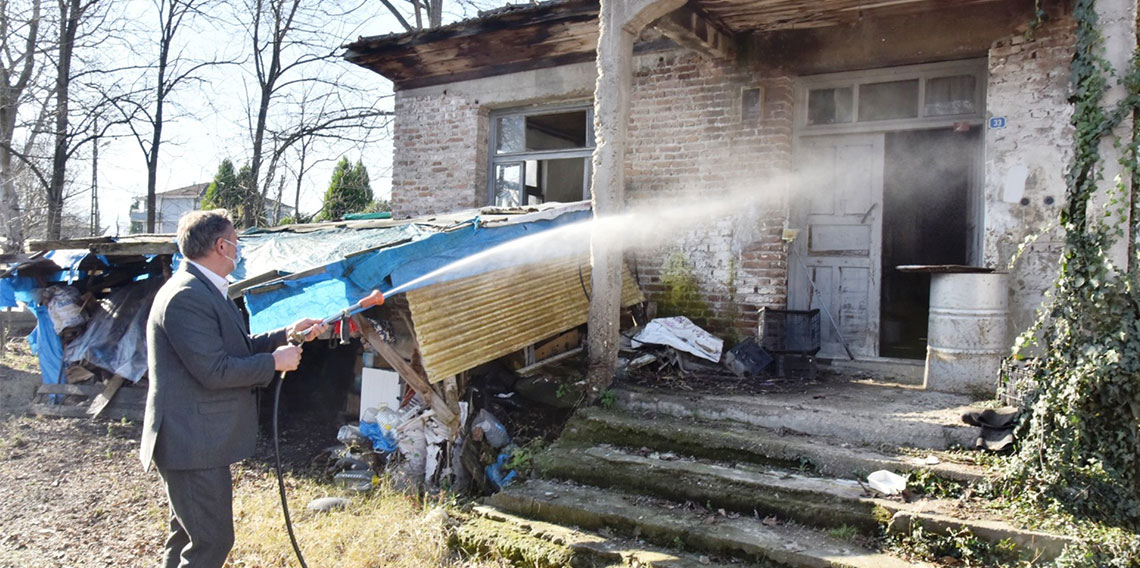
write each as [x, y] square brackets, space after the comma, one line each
[301, 93]
[172, 68]
[19, 44]
[432, 11]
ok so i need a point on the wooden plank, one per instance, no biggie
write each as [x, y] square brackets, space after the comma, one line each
[104, 398]
[81, 243]
[414, 378]
[532, 368]
[75, 390]
[131, 395]
[132, 248]
[60, 410]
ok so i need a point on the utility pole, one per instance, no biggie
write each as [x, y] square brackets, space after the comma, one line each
[95, 182]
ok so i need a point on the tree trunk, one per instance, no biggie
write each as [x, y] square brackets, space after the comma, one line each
[436, 15]
[11, 218]
[11, 221]
[71, 12]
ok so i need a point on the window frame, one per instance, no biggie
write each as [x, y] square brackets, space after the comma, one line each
[495, 159]
[923, 73]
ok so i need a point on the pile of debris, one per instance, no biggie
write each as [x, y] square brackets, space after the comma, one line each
[677, 346]
[100, 358]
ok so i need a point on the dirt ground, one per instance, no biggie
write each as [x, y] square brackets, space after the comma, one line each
[73, 494]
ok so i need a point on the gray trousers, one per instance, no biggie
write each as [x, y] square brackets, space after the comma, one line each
[201, 517]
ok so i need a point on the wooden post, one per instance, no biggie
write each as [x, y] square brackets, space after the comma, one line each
[415, 379]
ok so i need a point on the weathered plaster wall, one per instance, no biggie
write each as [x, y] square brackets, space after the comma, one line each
[692, 146]
[1026, 160]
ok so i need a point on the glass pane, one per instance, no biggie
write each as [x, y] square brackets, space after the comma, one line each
[560, 131]
[563, 180]
[510, 134]
[947, 96]
[829, 106]
[884, 101]
[508, 184]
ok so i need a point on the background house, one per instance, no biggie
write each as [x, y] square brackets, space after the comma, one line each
[172, 204]
[855, 139]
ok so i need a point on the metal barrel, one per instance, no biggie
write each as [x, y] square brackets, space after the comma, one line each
[967, 334]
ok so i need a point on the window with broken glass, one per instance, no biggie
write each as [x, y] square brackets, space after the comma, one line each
[540, 155]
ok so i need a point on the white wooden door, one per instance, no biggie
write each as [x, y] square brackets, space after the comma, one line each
[837, 205]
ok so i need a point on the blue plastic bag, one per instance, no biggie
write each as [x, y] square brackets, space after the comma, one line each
[381, 441]
[495, 471]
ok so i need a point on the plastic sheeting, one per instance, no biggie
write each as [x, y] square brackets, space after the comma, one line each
[343, 283]
[682, 334]
[7, 293]
[115, 338]
[296, 252]
[46, 344]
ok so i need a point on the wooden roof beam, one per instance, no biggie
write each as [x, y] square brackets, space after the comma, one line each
[691, 27]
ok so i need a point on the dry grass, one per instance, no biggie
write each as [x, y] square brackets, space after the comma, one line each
[384, 528]
[17, 355]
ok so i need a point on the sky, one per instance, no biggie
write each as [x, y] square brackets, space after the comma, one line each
[210, 122]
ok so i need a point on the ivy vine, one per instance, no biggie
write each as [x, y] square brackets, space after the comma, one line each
[1079, 445]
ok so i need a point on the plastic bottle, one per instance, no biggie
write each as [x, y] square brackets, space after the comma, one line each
[357, 480]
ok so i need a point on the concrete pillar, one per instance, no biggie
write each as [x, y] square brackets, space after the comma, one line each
[620, 22]
[1118, 24]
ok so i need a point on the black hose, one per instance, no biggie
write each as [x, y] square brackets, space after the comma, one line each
[280, 475]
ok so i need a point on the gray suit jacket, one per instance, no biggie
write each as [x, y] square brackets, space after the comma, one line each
[201, 410]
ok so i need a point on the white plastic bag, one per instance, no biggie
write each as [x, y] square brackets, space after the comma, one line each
[683, 335]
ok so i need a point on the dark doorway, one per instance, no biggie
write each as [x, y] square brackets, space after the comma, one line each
[926, 188]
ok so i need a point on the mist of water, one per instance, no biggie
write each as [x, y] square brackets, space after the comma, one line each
[641, 226]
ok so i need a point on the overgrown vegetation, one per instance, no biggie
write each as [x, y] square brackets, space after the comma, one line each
[382, 528]
[957, 548]
[1079, 456]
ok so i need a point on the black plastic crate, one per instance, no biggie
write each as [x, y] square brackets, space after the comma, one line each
[789, 331]
[798, 367]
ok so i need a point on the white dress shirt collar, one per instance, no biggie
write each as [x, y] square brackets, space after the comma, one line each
[219, 282]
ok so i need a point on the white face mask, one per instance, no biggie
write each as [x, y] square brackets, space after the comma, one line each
[237, 253]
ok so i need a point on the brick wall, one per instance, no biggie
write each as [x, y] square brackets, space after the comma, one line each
[717, 173]
[439, 161]
[1026, 160]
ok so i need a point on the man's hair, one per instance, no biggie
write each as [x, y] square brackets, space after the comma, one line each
[199, 230]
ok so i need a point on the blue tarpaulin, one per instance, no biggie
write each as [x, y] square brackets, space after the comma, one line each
[45, 343]
[7, 294]
[343, 283]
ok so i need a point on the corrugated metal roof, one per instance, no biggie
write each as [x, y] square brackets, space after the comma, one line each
[464, 323]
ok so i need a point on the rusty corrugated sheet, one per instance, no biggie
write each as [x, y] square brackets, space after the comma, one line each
[464, 323]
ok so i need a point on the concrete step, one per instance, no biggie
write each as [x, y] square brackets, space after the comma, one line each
[669, 524]
[821, 502]
[538, 544]
[744, 488]
[860, 412]
[732, 441]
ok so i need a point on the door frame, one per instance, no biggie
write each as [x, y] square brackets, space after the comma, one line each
[799, 292]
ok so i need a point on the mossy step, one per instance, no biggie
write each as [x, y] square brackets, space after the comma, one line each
[743, 488]
[736, 442]
[667, 524]
[860, 413]
[538, 544]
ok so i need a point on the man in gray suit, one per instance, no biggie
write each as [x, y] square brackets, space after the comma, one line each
[201, 409]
